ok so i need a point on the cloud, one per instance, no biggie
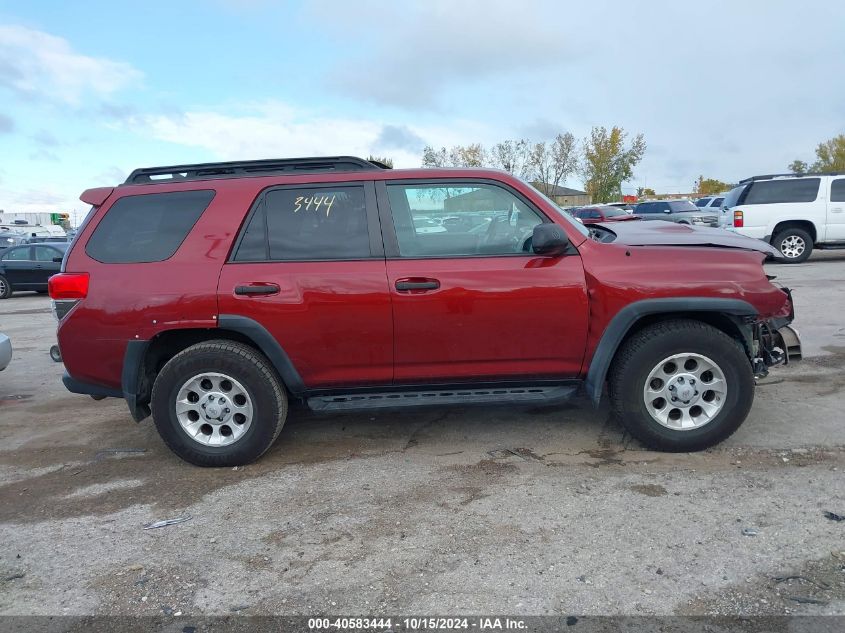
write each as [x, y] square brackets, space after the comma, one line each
[7, 124]
[45, 139]
[274, 129]
[38, 66]
[400, 137]
[434, 45]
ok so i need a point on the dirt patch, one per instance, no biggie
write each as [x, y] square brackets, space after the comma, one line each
[650, 490]
[139, 589]
[804, 591]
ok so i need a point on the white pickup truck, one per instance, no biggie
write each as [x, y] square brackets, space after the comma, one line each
[793, 213]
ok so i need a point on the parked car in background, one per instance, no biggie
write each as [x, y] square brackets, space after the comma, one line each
[29, 266]
[793, 213]
[42, 240]
[603, 213]
[625, 206]
[5, 351]
[8, 238]
[233, 296]
[680, 211]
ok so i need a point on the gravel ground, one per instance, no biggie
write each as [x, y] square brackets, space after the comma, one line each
[461, 511]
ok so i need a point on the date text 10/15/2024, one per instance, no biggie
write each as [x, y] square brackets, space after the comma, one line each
[418, 623]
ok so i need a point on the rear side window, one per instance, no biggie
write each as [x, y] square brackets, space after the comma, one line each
[780, 191]
[717, 202]
[313, 223]
[146, 228]
[702, 202]
[837, 190]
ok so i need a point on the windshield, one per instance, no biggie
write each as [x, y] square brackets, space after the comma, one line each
[732, 197]
[568, 218]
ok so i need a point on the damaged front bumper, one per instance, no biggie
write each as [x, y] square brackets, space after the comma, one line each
[775, 341]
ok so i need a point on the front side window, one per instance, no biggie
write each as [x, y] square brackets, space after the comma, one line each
[702, 202]
[647, 207]
[46, 254]
[682, 206]
[311, 223]
[837, 190]
[461, 219]
[147, 228]
[781, 191]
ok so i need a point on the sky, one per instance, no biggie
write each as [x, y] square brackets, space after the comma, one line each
[90, 90]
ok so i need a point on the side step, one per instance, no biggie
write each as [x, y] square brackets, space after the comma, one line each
[542, 394]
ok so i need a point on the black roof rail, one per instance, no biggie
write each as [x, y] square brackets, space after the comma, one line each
[236, 169]
[792, 175]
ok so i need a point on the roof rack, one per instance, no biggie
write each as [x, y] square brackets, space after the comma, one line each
[792, 175]
[236, 169]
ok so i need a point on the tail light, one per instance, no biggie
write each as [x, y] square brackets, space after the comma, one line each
[66, 290]
[68, 286]
[738, 220]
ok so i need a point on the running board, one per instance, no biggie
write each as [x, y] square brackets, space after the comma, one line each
[441, 397]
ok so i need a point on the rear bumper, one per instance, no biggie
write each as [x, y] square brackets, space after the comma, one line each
[87, 389]
[5, 351]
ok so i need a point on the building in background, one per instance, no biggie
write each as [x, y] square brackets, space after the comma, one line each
[564, 196]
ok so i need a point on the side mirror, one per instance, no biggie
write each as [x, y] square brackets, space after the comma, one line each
[549, 240]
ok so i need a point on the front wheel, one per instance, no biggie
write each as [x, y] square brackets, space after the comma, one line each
[681, 386]
[218, 403]
[795, 245]
[5, 288]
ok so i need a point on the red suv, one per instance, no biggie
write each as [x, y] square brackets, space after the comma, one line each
[211, 295]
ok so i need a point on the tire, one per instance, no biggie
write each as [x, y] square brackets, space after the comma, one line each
[5, 288]
[253, 387]
[642, 361]
[795, 245]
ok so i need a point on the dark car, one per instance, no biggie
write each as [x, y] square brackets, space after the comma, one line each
[247, 285]
[9, 239]
[29, 266]
[680, 211]
[603, 213]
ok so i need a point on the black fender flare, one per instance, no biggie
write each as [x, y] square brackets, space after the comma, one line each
[621, 324]
[136, 351]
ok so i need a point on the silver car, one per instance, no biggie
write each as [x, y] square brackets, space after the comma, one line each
[5, 351]
[680, 211]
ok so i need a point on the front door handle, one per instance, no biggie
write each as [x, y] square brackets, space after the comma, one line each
[836, 210]
[257, 289]
[416, 283]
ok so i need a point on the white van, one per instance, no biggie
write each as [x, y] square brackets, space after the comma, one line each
[793, 213]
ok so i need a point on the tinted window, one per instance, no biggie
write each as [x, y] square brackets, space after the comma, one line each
[702, 202]
[733, 196]
[17, 254]
[46, 254]
[491, 220]
[253, 244]
[778, 191]
[837, 190]
[717, 203]
[682, 206]
[614, 212]
[651, 207]
[146, 228]
[316, 223]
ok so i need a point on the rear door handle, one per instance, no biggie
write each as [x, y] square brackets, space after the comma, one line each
[406, 285]
[836, 210]
[257, 289]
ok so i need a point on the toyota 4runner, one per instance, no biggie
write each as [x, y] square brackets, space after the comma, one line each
[210, 296]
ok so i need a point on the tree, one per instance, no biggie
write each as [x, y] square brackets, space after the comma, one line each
[552, 163]
[435, 157]
[830, 155]
[709, 186]
[608, 162]
[510, 155]
[459, 156]
[645, 192]
[381, 159]
[798, 167]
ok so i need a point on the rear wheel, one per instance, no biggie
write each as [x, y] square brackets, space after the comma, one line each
[5, 288]
[219, 403]
[795, 245]
[681, 386]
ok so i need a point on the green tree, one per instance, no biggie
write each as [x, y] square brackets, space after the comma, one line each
[609, 161]
[709, 186]
[381, 159]
[798, 167]
[552, 163]
[830, 155]
[645, 192]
